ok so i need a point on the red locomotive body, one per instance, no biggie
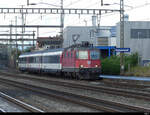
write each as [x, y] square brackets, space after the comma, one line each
[82, 62]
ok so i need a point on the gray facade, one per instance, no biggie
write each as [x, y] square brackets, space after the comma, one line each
[102, 36]
[136, 37]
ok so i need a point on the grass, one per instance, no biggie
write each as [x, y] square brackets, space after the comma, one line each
[139, 71]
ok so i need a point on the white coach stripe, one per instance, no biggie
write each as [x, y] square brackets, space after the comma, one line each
[52, 53]
[42, 54]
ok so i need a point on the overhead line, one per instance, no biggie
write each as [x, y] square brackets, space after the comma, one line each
[136, 7]
[73, 3]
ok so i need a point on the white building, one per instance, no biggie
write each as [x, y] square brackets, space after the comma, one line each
[103, 36]
[137, 38]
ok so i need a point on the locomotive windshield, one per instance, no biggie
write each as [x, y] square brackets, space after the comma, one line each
[94, 54]
[82, 54]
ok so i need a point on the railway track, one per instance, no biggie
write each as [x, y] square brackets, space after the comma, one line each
[97, 104]
[2, 111]
[108, 82]
[127, 84]
[21, 104]
[109, 90]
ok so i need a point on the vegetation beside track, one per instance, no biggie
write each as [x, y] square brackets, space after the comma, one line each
[139, 71]
[111, 65]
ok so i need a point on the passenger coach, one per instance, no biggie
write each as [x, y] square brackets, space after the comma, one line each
[41, 61]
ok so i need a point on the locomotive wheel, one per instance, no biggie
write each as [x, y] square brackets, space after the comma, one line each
[74, 75]
[22, 71]
[78, 77]
[69, 75]
[65, 75]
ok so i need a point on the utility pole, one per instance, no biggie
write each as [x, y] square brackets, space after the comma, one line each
[62, 19]
[22, 28]
[122, 36]
[16, 42]
[101, 2]
[33, 37]
[10, 47]
[27, 2]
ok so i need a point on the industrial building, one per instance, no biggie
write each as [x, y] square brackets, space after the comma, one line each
[103, 37]
[137, 38]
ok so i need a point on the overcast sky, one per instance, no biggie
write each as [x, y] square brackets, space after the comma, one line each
[138, 10]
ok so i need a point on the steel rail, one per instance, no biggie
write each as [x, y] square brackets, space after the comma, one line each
[56, 94]
[109, 90]
[114, 91]
[125, 85]
[93, 88]
[2, 110]
[82, 100]
[20, 103]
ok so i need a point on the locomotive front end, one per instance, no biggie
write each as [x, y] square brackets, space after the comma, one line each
[89, 63]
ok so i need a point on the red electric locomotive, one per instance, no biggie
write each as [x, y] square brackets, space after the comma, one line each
[81, 61]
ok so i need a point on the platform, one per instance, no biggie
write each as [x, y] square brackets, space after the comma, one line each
[126, 77]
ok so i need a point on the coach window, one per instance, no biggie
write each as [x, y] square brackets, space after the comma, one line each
[31, 59]
[34, 59]
[24, 60]
[20, 60]
[46, 59]
[37, 59]
[58, 59]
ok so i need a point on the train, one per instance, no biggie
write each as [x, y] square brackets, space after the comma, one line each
[77, 61]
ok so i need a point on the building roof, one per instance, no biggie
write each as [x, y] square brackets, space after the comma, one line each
[48, 38]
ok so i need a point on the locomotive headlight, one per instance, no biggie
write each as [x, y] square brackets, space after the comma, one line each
[81, 66]
[96, 65]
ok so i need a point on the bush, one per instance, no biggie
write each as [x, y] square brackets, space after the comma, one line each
[111, 65]
[131, 60]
